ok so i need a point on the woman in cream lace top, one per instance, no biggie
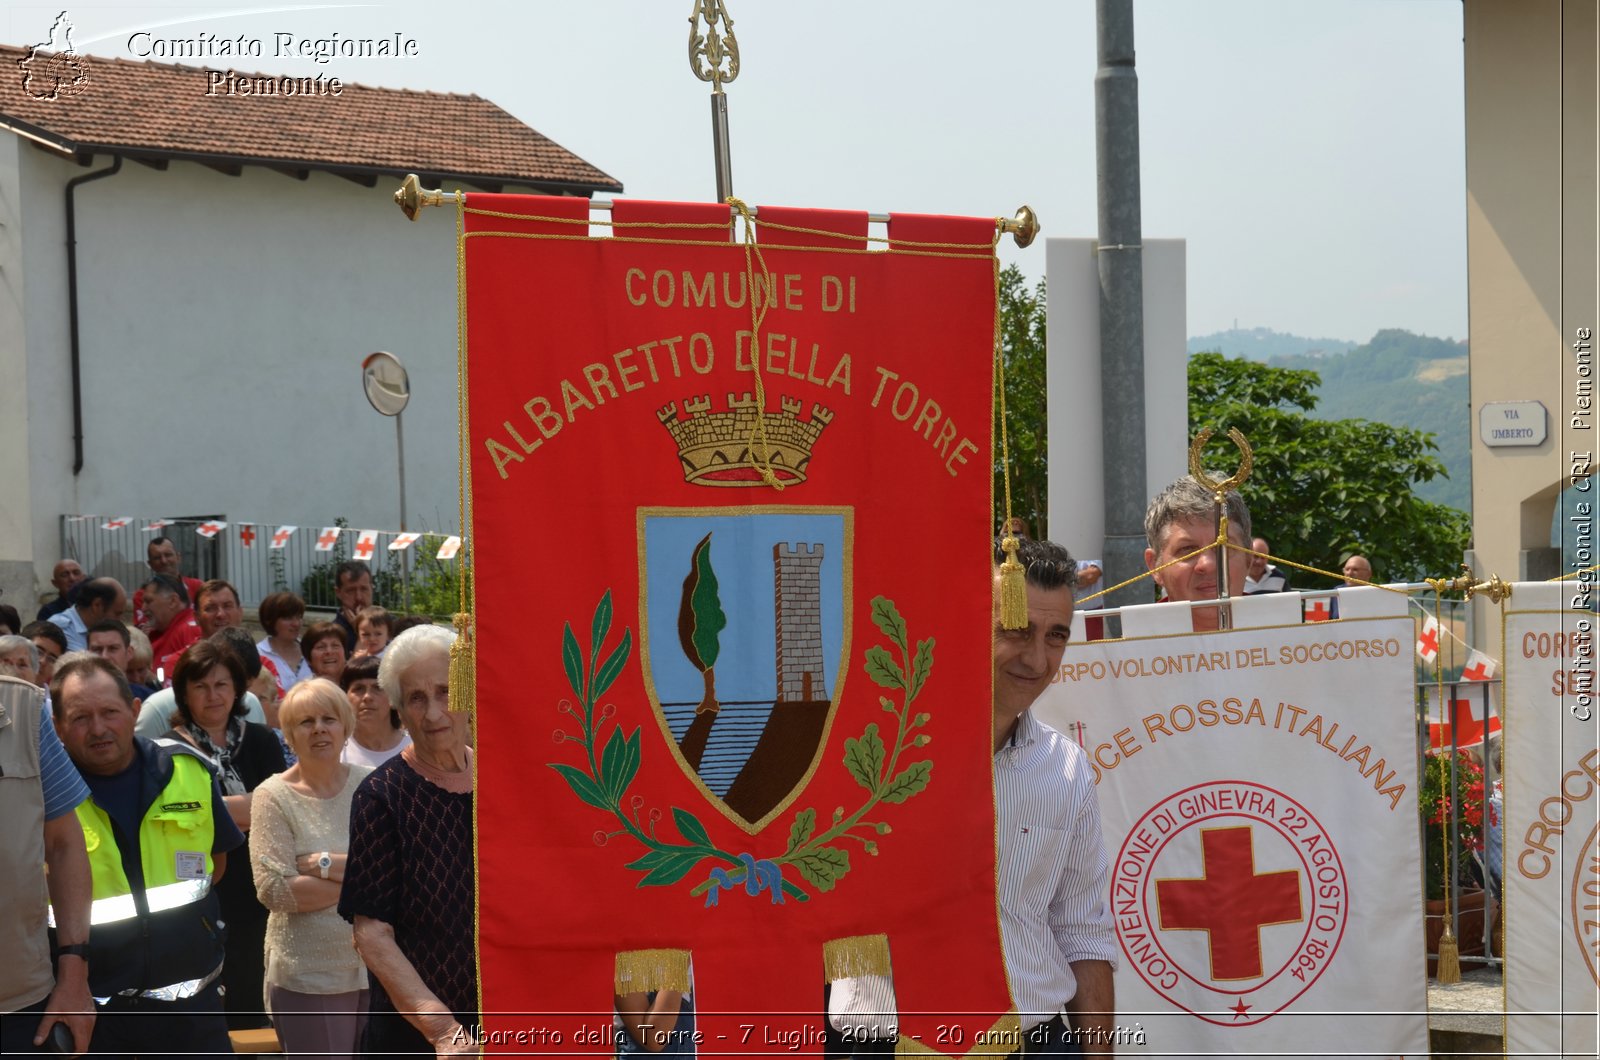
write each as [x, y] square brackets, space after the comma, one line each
[300, 831]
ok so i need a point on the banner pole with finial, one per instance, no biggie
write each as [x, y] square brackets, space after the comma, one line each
[1219, 494]
[714, 57]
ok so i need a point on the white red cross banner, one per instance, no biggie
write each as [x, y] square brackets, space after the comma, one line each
[1258, 794]
[1552, 824]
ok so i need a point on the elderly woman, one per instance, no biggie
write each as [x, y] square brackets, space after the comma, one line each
[323, 646]
[378, 736]
[408, 886]
[282, 616]
[208, 685]
[19, 657]
[299, 833]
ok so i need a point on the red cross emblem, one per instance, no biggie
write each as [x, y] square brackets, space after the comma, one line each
[1318, 611]
[280, 537]
[1468, 726]
[1231, 902]
[247, 535]
[327, 538]
[364, 548]
[1478, 671]
[1428, 643]
[209, 529]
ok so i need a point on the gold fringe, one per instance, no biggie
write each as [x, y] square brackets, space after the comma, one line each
[856, 955]
[647, 970]
[1449, 958]
[463, 667]
[1013, 586]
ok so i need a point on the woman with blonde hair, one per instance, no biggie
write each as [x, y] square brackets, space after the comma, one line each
[300, 832]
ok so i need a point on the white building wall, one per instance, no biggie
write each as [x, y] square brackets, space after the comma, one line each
[16, 521]
[223, 321]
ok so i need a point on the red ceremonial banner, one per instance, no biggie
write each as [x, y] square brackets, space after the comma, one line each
[731, 510]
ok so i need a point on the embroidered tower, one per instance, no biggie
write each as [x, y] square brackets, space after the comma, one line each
[797, 593]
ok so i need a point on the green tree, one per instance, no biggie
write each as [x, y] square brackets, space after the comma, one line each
[701, 621]
[1322, 489]
[1022, 313]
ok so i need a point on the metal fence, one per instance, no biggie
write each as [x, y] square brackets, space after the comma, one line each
[412, 580]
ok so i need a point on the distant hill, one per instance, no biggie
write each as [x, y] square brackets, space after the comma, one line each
[1397, 377]
[1262, 344]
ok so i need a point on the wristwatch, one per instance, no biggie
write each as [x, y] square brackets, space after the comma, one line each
[77, 949]
[324, 863]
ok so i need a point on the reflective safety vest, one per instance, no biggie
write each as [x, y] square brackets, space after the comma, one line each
[177, 826]
[166, 940]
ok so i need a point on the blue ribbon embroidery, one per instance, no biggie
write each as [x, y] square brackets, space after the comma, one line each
[759, 876]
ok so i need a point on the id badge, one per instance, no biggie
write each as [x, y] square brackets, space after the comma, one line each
[191, 865]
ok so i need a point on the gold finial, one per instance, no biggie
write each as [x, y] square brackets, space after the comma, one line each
[1466, 583]
[1197, 467]
[709, 51]
[1495, 589]
[1024, 227]
[412, 196]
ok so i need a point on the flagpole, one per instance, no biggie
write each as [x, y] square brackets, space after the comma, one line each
[714, 57]
[405, 554]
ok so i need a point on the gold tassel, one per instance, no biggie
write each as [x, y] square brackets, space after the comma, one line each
[1013, 586]
[647, 970]
[463, 667]
[857, 955]
[1449, 958]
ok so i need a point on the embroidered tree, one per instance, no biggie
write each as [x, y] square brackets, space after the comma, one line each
[700, 625]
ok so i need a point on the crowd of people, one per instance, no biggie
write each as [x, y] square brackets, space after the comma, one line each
[256, 828]
[283, 825]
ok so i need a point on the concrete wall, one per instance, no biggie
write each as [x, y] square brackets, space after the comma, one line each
[223, 321]
[1077, 509]
[1531, 253]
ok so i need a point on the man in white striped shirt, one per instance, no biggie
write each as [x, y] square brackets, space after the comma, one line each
[1055, 921]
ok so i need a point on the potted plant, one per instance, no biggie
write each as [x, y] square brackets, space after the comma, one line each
[1437, 794]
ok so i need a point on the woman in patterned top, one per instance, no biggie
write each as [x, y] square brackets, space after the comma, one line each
[208, 685]
[299, 832]
[408, 886]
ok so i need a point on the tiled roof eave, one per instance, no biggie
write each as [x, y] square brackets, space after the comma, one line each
[75, 148]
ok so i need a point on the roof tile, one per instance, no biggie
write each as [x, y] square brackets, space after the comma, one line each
[164, 110]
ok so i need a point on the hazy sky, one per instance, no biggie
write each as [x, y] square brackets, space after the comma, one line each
[1310, 153]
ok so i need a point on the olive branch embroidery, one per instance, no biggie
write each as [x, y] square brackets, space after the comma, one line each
[602, 780]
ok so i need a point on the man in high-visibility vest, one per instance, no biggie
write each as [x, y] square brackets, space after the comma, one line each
[157, 835]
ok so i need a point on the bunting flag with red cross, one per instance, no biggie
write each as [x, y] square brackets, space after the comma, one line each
[1551, 856]
[1473, 716]
[1428, 641]
[247, 535]
[210, 529]
[117, 524]
[281, 536]
[1318, 609]
[366, 545]
[404, 541]
[773, 749]
[154, 525]
[449, 547]
[1480, 667]
[1258, 798]
[327, 539]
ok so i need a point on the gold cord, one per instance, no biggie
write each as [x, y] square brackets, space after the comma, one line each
[1013, 578]
[463, 654]
[760, 448]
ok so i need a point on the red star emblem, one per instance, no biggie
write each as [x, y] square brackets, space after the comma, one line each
[1240, 1010]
